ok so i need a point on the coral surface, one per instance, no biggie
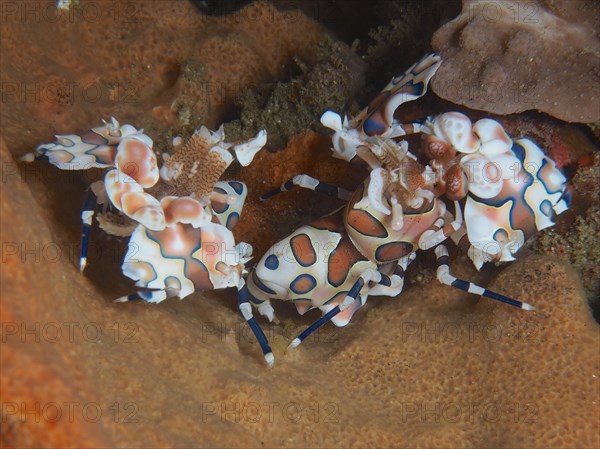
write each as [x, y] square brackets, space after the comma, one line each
[513, 56]
[156, 56]
[445, 368]
[433, 368]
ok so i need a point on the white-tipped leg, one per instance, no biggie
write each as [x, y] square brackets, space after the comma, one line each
[27, 157]
[152, 296]
[266, 310]
[308, 182]
[295, 342]
[244, 297]
[397, 279]
[367, 276]
[87, 214]
[270, 359]
[444, 276]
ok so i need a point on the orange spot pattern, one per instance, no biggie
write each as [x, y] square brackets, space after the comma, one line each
[393, 251]
[366, 224]
[303, 250]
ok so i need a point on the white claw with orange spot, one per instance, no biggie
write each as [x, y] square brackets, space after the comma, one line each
[184, 210]
[94, 148]
[456, 129]
[129, 197]
[145, 209]
[511, 188]
[136, 159]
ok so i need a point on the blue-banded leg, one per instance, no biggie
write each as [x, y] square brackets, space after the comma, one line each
[154, 296]
[244, 298]
[367, 276]
[87, 214]
[444, 276]
[308, 182]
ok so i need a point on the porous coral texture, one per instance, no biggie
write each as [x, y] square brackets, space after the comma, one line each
[433, 368]
[126, 58]
[512, 56]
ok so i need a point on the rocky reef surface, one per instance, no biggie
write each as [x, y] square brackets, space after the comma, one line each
[514, 56]
[434, 367]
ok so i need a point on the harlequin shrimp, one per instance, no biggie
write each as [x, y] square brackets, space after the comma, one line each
[363, 249]
[132, 167]
[196, 250]
[326, 268]
[511, 189]
[193, 249]
[183, 242]
[336, 262]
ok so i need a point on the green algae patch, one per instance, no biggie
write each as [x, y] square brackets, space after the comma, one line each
[289, 107]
